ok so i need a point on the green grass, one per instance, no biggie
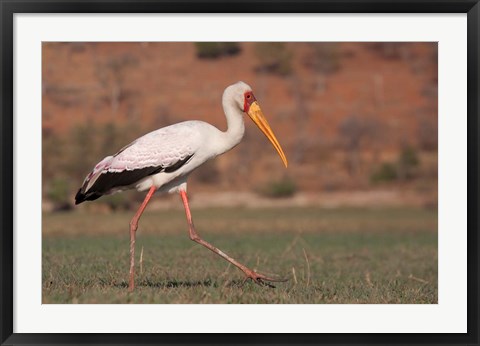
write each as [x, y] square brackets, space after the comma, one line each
[329, 256]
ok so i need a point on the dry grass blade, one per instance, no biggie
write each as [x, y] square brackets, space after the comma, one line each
[294, 276]
[368, 279]
[417, 279]
[308, 267]
[141, 261]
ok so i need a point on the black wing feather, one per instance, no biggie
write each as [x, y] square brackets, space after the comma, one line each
[110, 180]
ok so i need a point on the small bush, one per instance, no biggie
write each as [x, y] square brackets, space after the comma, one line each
[408, 157]
[213, 50]
[403, 169]
[407, 162]
[230, 48]
[385, 173]
[279, 188]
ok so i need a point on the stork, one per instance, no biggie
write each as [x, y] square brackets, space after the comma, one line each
[163, 159]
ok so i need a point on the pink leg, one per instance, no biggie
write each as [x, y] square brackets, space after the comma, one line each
[133, 231]
[256, 277]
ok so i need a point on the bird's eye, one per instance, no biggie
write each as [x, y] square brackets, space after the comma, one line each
[249, 96]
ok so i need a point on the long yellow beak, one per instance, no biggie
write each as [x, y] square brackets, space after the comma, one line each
[258, 118]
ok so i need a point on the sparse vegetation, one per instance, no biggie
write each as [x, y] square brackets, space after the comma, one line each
[213, 50]
[407, 162]
[385, 173]
[403, 169]
[282, 188]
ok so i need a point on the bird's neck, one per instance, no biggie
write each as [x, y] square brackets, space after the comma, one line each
[235, 126]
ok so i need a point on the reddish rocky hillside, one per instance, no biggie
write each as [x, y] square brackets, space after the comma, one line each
[343, 112]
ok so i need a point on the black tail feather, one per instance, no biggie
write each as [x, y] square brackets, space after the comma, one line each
[89, 196]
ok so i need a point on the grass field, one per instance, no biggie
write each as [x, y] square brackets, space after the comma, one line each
[329, 256]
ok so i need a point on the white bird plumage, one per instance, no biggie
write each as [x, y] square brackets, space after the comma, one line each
[162, 160]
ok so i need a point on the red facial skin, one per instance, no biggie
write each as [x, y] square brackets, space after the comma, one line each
[248, 100]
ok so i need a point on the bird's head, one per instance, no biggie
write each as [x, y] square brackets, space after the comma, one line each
[243, 97]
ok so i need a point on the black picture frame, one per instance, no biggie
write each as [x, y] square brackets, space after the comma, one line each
[9, 8]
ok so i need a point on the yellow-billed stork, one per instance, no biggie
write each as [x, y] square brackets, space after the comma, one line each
[163, 159]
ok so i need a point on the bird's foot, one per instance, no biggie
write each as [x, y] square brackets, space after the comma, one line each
[261, 279]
